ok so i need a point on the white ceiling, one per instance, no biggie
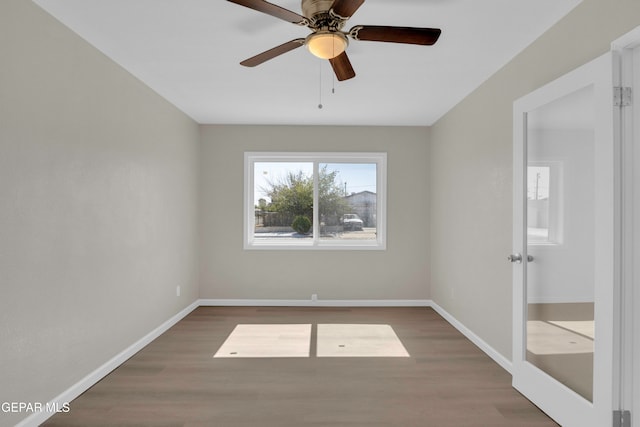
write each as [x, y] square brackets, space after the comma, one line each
[189, 51]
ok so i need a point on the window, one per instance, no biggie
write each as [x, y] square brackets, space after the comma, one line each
[315, 200]
[544, 203]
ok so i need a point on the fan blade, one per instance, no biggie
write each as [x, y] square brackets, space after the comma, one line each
[272, 53]
[408, 35]
[342, 67]
[346, 8]
[273, 10]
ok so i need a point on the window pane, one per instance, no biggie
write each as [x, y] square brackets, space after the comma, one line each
[315, 201]
[538, 178]
[347, 199]
[283, 197]
[545, 203]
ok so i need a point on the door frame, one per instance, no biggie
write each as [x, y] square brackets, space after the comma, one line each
[558, 401]
[626, 51]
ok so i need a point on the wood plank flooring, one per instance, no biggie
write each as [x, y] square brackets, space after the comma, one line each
[176, 382]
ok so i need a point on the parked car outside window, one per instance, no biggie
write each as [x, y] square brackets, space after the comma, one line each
[351, 222]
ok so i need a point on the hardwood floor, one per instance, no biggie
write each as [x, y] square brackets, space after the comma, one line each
[175, 381]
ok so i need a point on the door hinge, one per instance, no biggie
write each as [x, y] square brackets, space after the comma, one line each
[622, 96]
[621, 418]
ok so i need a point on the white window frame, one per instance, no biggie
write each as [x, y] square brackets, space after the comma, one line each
[316, 243]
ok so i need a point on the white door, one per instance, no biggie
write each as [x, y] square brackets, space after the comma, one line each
[563, 243]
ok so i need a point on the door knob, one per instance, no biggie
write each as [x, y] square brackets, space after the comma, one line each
[517, 258]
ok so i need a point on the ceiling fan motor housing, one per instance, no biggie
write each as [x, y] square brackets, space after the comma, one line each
[317, 12]
[313, 7]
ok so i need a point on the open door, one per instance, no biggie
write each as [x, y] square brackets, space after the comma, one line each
[563, 241]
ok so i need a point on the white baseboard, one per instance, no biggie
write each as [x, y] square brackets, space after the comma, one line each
[95, 376]
[87, 382]
[311, 303]
[481, 344]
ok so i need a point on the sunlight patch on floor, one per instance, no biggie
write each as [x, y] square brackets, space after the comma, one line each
[267, 341]
[358, 341]
[546, 338]
[583, 327]
[294, 340]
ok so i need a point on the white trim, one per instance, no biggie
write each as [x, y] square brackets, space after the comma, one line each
[310, 303]
[101, 372]
[627, 53]
[479, 342]
[87, 382]
[628, 41]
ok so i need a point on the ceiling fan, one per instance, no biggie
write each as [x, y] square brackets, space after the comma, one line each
[326, 18]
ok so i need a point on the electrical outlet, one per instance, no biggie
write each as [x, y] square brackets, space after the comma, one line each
[314, 297]
[178, 291]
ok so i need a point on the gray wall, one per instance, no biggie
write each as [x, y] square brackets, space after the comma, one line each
[98, 217]
[228, 271]
[471, 169]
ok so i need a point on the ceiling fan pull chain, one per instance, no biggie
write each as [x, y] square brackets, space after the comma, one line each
[320, 86]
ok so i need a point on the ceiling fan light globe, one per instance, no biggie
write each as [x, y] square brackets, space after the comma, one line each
[326, 45]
